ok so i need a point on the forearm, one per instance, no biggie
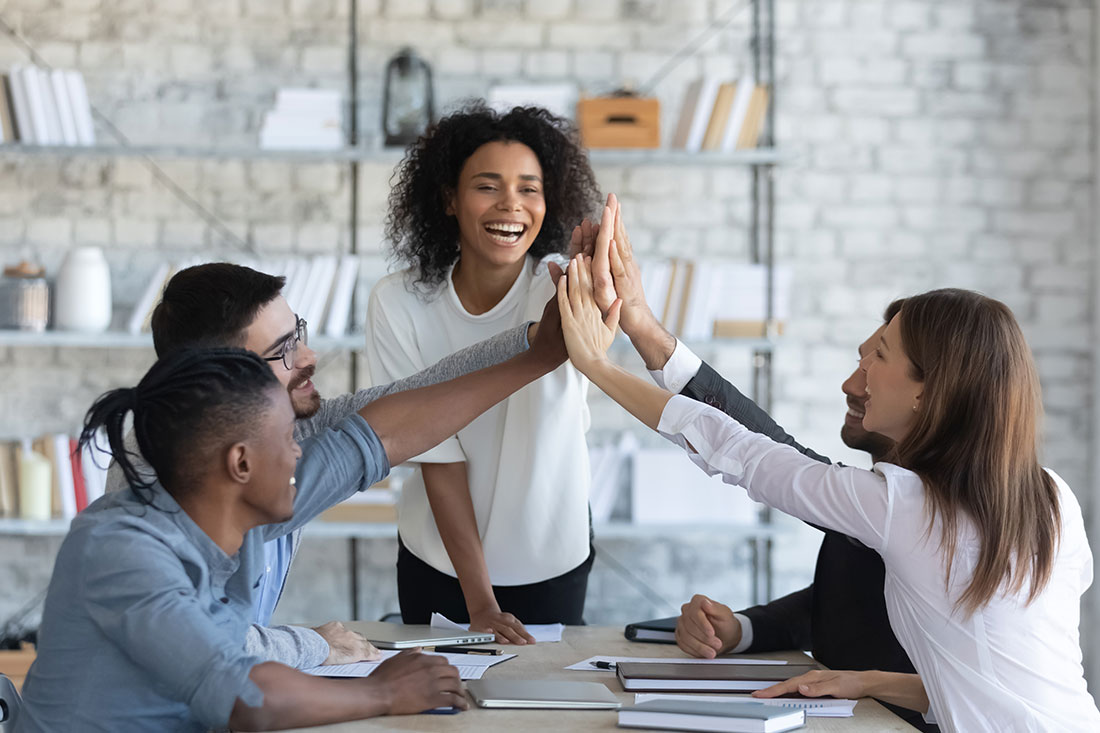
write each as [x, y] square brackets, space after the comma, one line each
[410, 423]
[448, 490]
[293, 699]
[640, 398]
[896, 688]
[294, 646]
[653, 343]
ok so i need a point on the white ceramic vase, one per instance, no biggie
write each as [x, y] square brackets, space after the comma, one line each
[82, 295]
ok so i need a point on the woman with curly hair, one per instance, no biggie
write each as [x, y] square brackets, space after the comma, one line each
[494, 525]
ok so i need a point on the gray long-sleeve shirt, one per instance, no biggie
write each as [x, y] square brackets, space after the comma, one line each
[302, 647]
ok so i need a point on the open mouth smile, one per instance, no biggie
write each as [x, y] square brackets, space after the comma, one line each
[505, 232]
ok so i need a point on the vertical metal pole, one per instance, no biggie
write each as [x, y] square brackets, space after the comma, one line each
[353, 247]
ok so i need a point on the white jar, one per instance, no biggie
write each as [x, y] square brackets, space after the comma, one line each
[82, 295]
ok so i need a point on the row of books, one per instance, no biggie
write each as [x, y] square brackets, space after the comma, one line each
[49, 478]
[319, 289]
[45, 107]
[703, 299]
[721, 116]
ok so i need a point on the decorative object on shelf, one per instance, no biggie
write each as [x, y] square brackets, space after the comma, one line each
[82, 293]
[622, 120]
[24, 298]
[35, 479]
[408, 102]
[304, 119]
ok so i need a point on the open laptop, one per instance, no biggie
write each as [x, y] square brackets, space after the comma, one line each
[555, 694]
[408, 636]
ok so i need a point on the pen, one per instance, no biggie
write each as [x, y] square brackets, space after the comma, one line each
[469, 650]
[600, 664]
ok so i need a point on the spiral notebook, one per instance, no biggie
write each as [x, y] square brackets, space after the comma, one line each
[815, 707]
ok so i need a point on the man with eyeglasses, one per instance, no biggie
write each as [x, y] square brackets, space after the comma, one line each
[221, 304]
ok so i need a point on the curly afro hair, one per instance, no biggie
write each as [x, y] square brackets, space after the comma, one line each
[418, 228]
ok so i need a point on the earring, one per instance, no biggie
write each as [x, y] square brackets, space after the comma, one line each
[914, 408]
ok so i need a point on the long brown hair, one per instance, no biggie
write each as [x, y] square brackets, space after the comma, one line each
[974, 439]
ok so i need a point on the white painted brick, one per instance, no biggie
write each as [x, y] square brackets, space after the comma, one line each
[319, 178]
[1055, 309]
[261, 8]
[967, 104]
[312, 9]
[92, 231]
[887, 102]
[495, 33]
[502, 64]
[830, 44]
[954, 17]
[392, 34]
[865, 217]
[909, 15]
[871, 189]
[188, 60]
[940, 45]
[860, 71]
[914, 159]
[584, 36]
[1059, 277]
[273, 237]
[1001, 192]
[224, 174]
[548, 9]
[870, 15]
[452, 9]
[868, 130]
[944, 218]
[597, 10]
[1050, 193]
[408, 9]
[183, 234]
[50, 232]
[136, 232]
[319, 237]
[324, 59]
[458, 61]
[551, 64]
[1049, 224]
[593, 64]
[266, 175]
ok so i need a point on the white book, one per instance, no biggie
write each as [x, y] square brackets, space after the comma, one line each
[21, 105]
[32, 87]
[655, 281]
[320, 289]
[740, 108]
[64, 466]
[339, 312]
[296, 276]
[704, 104]
[318, 101]
[49, 103]
[64, 107]
[82, 108]
[699, 319]
[95, 466]
[149, 298]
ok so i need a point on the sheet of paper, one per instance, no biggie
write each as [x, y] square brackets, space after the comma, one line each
[586, 666]
[825, 707]
[470, 666]
[542, 632]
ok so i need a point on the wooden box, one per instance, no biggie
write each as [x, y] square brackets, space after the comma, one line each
[619, 122]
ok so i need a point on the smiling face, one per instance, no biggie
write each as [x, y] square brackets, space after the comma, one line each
[273, 458]
[499, 204]
[267, 335]
[855, 390]
[893, 396]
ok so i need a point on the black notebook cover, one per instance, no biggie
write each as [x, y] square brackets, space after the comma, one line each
[657, 631]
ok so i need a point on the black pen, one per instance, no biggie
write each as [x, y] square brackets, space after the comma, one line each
[469, 650]
[600, 664]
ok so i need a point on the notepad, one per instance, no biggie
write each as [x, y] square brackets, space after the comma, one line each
[815, 707]
[723, 717]
[665, 677]
[469, 667]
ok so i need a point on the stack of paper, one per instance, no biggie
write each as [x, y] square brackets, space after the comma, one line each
[470, 666]
[541, 632]
[304, 119]
[827, 707]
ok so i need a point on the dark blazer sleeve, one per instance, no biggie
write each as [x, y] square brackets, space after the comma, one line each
[785, 622]
[708, 386]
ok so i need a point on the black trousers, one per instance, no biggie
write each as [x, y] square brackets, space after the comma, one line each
[421, 590]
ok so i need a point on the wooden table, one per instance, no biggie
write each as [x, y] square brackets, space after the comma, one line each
[546, 661]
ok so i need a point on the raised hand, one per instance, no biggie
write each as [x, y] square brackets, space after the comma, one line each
[588, 333]
[603, 286]
[411, 683]
[707, 628]
[627, 278]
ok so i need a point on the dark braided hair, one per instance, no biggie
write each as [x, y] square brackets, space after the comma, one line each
[188, 403]
[418, 228]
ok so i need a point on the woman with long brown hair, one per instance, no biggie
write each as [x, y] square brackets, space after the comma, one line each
[985, 551]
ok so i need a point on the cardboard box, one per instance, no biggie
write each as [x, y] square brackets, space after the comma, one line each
[619, 122]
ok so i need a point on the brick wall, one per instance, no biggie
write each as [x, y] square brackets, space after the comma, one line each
[939, 143]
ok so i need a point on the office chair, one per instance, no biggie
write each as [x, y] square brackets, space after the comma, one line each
[10, 703]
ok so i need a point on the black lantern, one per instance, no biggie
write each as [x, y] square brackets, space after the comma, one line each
[408, 105]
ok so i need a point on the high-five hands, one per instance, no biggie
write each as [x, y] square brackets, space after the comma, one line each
[588, 333]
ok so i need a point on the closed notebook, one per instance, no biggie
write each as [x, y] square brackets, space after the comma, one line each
[659, 676]
[504, 693]
[710, 716]
[658, 630]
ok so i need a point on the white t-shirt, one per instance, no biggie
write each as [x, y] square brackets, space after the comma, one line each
[1011, 666]
[526, 458]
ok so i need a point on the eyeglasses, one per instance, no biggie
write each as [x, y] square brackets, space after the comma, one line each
[290, 346]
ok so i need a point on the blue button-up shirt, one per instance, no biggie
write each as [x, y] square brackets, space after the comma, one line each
[145, 617]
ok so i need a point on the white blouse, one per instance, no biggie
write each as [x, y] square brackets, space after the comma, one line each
[526, 458]
[1011, 666]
